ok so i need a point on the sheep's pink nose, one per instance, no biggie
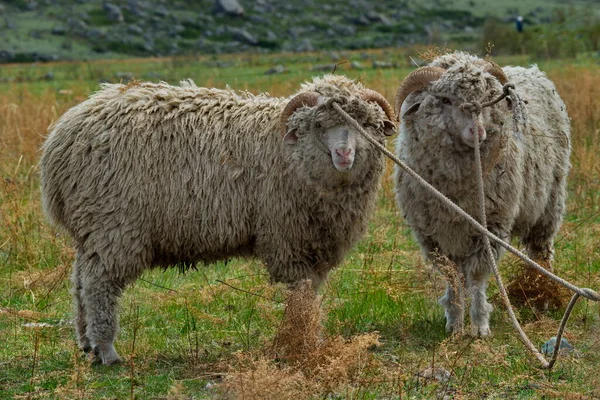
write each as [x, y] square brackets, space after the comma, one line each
[343, 153]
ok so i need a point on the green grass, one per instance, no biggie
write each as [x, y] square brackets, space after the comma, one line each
[182, 333]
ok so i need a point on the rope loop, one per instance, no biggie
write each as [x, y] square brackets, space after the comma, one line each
[337, 100]
[507, 88]
[473, 107]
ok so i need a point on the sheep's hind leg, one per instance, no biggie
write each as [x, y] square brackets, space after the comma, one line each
[99, 294]
[454, 305]
[80, 324]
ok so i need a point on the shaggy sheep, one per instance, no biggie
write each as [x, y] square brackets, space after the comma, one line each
[524, 172]
[148, 175]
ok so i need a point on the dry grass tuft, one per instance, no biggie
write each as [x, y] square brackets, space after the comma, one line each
[432, 53]
[305, 364]
[300, 332]
[527, 287]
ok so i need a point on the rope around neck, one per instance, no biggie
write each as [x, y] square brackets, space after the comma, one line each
[508, 90]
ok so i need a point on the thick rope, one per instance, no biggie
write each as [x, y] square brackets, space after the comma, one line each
[492, 259]
[518, 114]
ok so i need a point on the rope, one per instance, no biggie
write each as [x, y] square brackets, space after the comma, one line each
[518, 114]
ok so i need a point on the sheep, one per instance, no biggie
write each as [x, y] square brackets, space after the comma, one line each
[145, 175]
[525, 172]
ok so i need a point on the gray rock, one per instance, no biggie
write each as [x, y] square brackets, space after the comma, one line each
[135, 30]
[278, 69]
[2, 9]
[32, 5]
[77, 25]
[124, 76]
[161, 11]
[323, 67]
[229, 7]
[271, 36]
[356, 65]
[59, 31]
[548, 347]
[376, 17]
[304, 46]
[95, 34]
[6, 55]
[113, 13]
[382, 64]
[362, 20]
[243, 36]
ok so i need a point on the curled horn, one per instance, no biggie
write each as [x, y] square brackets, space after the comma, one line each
[495, 70]
[308, 99]
[418, 79]
[376, 97]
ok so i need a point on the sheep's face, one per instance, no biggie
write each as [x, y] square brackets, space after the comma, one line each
[326, 149]
[438, 108]
[432, 112]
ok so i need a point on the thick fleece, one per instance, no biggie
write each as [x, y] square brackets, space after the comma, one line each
[525, 173]
[148, 175]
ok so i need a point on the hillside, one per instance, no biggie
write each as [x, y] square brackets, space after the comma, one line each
[47, 30]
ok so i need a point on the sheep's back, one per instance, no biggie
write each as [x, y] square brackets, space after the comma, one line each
[160, 169]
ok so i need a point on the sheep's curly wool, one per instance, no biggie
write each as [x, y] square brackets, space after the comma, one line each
[525, 173]
[149, 175]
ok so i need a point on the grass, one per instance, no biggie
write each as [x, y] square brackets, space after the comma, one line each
[209, 333]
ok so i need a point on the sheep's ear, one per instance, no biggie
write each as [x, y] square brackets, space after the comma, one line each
[410, 113]
[389, 128]
[290, 137]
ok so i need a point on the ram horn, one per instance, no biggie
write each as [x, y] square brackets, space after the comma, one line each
[376, 97]
[308, 99]
[494, 69]
[418, 79]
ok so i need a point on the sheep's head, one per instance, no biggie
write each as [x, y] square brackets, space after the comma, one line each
[436, 94]
[313, 128]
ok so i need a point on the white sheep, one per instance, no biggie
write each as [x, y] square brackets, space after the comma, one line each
[525, 172]
[148, 175]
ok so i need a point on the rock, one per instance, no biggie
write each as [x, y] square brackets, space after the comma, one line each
[356, 65]
[548, 347]
[382, 64]
[435, 374]
[243, 36]
[362, 20]
[135, 30]
[32, 5]
[59, 31]
[6, 56]
[48, 76]
[95, 34]
[2, 9]
[376, 17]
[161, 11]
[304, 46]
[229, 7]
[113, 13]
[323, 67]
[278, 69]
[124, 76]
[77, 25]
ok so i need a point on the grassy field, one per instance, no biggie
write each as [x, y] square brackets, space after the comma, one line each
[209, 333]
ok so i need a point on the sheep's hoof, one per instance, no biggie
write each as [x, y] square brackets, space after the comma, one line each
[481, 331]
[106, 355]
[455, 329]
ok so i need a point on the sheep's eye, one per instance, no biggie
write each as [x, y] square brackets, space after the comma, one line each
[446, 100]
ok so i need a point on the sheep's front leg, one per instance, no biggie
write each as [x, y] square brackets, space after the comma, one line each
[480, 308]
[453, 302]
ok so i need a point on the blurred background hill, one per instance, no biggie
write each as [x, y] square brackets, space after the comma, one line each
[51, 30]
